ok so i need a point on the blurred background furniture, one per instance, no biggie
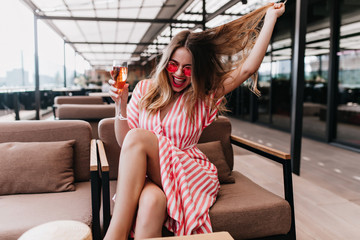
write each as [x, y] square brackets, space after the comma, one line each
[88, 108]
[91, 113]
[58, 100]
[48, 172]
[105, 96]
[243, 208]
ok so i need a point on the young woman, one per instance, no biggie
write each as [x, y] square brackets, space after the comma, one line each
[163, 178]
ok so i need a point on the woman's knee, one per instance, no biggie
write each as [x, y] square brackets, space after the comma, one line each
[152, 204]
[138, 138]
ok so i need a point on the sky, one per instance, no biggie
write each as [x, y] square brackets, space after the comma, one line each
[17, 40]
[16, 31]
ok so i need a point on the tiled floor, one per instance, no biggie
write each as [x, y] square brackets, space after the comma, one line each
[333, 168]
[327, 192]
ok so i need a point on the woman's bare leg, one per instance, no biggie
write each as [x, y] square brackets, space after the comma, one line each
[139, 157]
[151, 212]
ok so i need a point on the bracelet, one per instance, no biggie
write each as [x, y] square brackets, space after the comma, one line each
[121, 117]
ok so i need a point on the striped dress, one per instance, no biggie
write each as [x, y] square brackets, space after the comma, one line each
[189, 180]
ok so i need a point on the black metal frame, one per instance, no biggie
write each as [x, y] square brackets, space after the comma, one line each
[95, 194]
[95, 202]
[287, 177]
[105, 186]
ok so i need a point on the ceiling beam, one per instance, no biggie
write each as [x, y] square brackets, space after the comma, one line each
[222, 14]
[119, 43]
[102, 19]
[104, 52]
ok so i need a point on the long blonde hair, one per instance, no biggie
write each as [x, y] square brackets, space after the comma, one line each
[209, 66]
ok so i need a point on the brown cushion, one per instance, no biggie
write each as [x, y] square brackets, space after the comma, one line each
[247, 211]
[220, 130]
[36, 167]
[20, 212]
[214, 151]
[51, 131]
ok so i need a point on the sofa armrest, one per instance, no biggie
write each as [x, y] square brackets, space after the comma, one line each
[280, 157]
[104, 170]
[93, 156]
[253, 146]
[102, 156]
[95, 190]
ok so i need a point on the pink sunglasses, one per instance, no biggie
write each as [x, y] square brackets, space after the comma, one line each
[173, 67]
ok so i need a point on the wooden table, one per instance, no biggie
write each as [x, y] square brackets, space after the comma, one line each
[62, 229]
[209, 236]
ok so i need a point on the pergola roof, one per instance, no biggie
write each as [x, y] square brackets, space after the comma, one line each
[138, 30]
[131, 30]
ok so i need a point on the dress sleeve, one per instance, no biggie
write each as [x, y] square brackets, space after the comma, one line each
[133, 108]
[211, 111]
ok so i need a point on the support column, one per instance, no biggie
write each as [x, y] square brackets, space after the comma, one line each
[64, 64]
[298, 83]
[204, 14]
[37, 78]
[333, 78]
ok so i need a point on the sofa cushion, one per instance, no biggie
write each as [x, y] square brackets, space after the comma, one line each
[20, 212]
[214, 151]
[36, 167]
[220, 130]
[258, 212]
[78, 100]
[50, 131]
[86, 111]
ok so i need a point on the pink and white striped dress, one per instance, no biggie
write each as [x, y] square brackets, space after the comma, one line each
[189, 180]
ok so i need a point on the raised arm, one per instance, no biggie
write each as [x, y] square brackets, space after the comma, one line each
[120, 99]
[256, 56]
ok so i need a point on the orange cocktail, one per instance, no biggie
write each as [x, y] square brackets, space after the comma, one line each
[120, 71]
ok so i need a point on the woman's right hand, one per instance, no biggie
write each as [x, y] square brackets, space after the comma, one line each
[118, 95]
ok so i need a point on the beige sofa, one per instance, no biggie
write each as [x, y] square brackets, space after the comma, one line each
[48, 172]
[91, 113]
[243, 208]
[88, 108]
[59, 100]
